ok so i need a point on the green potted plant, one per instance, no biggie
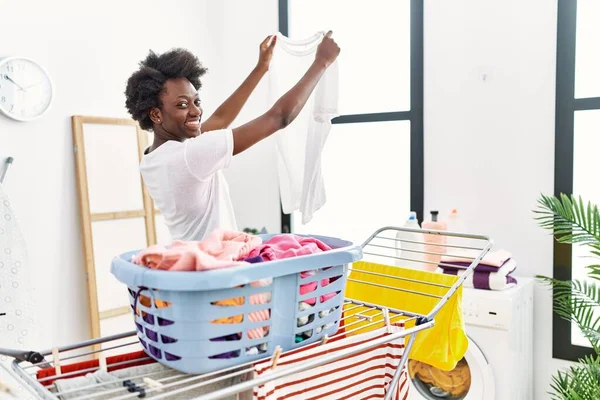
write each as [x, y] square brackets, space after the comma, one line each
[574, 222]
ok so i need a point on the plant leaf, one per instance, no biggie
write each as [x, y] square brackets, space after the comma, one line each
[577, 301]
[570, 219]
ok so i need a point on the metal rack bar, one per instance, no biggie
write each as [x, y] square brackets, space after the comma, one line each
[439, 264]
[434, 253]
[424, 242]
[454, 246]
[487, 245]
[400, 369]
[90, 342]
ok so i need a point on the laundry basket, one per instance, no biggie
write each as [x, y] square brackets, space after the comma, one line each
[198, 322]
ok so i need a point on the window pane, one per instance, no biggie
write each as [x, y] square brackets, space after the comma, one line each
[375, 41]
[366, 168]
[585, 184]
[587, 59]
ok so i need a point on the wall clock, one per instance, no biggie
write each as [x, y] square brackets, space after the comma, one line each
[25, 89]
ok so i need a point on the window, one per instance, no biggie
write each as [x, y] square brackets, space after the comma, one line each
[373, 159]
[577, 142]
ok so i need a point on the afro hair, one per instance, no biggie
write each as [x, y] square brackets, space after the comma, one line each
[146, 84]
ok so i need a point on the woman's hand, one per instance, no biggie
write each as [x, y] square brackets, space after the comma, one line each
[327, 51]
[287, 108]
[266, 52]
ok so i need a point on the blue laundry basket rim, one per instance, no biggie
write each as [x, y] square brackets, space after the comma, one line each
[342, 252]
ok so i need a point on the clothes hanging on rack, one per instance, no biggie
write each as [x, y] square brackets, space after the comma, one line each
[445, 343]
[361, 376]
[299, 146]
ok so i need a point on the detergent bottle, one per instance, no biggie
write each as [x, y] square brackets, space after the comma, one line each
[457, 225]
[434, 243]
[410, 245]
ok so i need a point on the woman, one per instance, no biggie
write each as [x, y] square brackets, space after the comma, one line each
[183, 167]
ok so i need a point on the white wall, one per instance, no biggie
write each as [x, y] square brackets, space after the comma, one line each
[489, 141]
[252, 176]
[89, 49]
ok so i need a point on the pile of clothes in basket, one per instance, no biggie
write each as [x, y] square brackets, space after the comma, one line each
[226, 249]
[494, 272]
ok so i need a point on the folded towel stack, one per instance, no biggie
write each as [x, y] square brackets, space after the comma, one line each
[492, 273]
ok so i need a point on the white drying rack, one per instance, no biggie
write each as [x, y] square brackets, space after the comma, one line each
[169, 384]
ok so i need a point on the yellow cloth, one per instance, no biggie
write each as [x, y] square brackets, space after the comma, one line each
[235, 319]
[233, 302]
[146, 302]
[442, 345]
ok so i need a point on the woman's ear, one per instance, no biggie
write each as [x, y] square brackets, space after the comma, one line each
[155, 115]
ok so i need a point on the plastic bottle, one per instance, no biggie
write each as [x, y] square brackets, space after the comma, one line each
[456, 224]
[405, 246]
[434, 242]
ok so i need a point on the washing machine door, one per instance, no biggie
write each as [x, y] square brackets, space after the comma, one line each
[472, 379]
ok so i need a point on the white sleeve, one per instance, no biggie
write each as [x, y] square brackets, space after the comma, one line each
[208, 152]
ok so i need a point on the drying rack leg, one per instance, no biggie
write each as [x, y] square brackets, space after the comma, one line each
[398, 373]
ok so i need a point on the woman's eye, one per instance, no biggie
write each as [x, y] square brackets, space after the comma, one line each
[197, 102]
[182, 105]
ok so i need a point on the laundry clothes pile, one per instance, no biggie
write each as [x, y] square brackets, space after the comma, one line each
[494, 271]
[226, 249]
[220, 249]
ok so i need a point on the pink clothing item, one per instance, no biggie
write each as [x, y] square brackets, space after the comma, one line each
[311, 287]
[286, 246]
[260, 315]
[229, 245]
[256, 316]
[221, 249]
[493, 258]
[180, 257]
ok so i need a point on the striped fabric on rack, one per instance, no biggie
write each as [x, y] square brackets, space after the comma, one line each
[365, 375]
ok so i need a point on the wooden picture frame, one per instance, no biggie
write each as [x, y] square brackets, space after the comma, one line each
[100, 211]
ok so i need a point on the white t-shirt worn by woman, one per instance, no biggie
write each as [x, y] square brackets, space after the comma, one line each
[186, 181]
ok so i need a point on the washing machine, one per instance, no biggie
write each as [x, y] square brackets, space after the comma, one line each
[498, 364]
